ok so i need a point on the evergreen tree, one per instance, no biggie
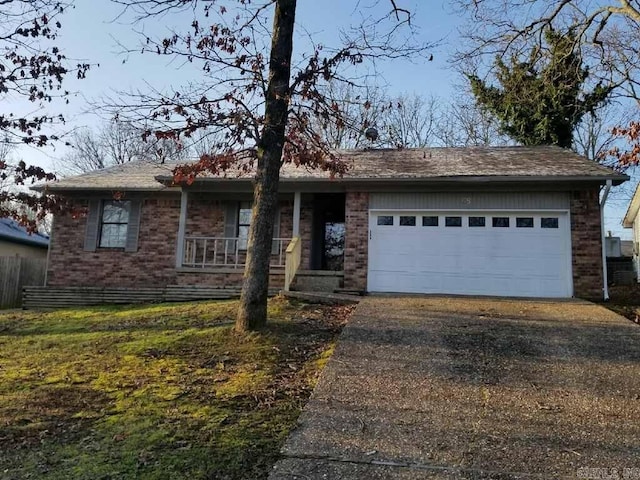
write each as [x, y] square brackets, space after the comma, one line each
[541, 100]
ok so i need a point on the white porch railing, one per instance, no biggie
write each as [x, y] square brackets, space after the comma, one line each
[293, 256]
[212, 252]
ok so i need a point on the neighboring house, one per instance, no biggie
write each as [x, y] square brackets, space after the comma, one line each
[632, 220]
[512, 221]
[15, 241]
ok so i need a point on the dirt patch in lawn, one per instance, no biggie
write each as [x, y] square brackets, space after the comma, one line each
[163, 391]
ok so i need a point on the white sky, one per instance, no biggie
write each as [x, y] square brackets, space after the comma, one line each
[91, 33]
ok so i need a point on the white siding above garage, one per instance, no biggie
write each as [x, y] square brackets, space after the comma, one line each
[470, 201]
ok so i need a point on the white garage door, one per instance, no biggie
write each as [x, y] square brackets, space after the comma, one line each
[524, 254]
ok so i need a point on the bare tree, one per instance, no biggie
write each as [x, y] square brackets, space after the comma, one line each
[402, 121]
[410, 121]
[358, 109]
[594, 137]
[463, 123]
[117, 143]
[264, 100]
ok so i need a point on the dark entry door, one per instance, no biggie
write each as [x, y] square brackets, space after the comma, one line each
[328, 232]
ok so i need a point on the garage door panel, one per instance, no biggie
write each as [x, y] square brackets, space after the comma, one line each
[518, 260]
[480, 285]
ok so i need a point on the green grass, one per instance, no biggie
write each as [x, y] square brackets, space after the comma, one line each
[154, 392]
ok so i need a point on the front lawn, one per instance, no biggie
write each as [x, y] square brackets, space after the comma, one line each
[155, 392]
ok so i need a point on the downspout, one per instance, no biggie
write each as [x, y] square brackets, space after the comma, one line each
[603, 201]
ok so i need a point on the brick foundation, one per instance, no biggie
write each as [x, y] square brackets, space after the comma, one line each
[586, 244]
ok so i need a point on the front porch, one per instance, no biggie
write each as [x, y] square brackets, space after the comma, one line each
[308, 241]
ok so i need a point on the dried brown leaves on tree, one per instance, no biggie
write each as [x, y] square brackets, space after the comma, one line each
[32, 69]
[263, 102]
[630, 156]
[231, 41]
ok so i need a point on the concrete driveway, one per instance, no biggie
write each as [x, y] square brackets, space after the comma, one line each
[445, 388]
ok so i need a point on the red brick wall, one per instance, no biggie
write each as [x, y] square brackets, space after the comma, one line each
[205, 216]
[154, 262]
[152, 265]
[356, 240]
[586, 244]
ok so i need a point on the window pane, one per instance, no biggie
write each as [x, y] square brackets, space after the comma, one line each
[244, 217]
[524, 222]
[113, 235]
[500, 222]
[408, 221]
[243, 237]
[385, 220]
[477, 221]
[430, 221]
[550, 222]
[453, 221]
[116, 212]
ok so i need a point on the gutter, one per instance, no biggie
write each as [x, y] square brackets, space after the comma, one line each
[24, 241]
[618, 179]
[603, 201]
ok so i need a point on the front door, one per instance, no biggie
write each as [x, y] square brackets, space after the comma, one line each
[328, 232]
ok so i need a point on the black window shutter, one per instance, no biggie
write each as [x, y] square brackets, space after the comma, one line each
[93, 225]
[231, 223]
[133, 229]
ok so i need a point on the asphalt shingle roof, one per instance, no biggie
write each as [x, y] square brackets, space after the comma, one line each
[13, 231]
[428, 164]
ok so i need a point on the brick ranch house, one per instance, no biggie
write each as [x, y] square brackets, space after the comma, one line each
[511, 221]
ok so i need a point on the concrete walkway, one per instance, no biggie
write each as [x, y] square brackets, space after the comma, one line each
[445, 388]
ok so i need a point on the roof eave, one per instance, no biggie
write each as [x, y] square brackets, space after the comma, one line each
[616, 179]
[21, 241]
[80, 188]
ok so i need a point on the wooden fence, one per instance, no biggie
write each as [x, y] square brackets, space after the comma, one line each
[16, 273]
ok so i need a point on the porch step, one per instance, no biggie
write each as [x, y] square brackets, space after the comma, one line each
[317, 281]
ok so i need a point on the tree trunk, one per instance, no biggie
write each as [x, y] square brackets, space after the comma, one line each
[252, 313]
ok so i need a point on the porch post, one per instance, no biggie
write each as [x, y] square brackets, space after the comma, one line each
[296, 214]
[182, 225]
